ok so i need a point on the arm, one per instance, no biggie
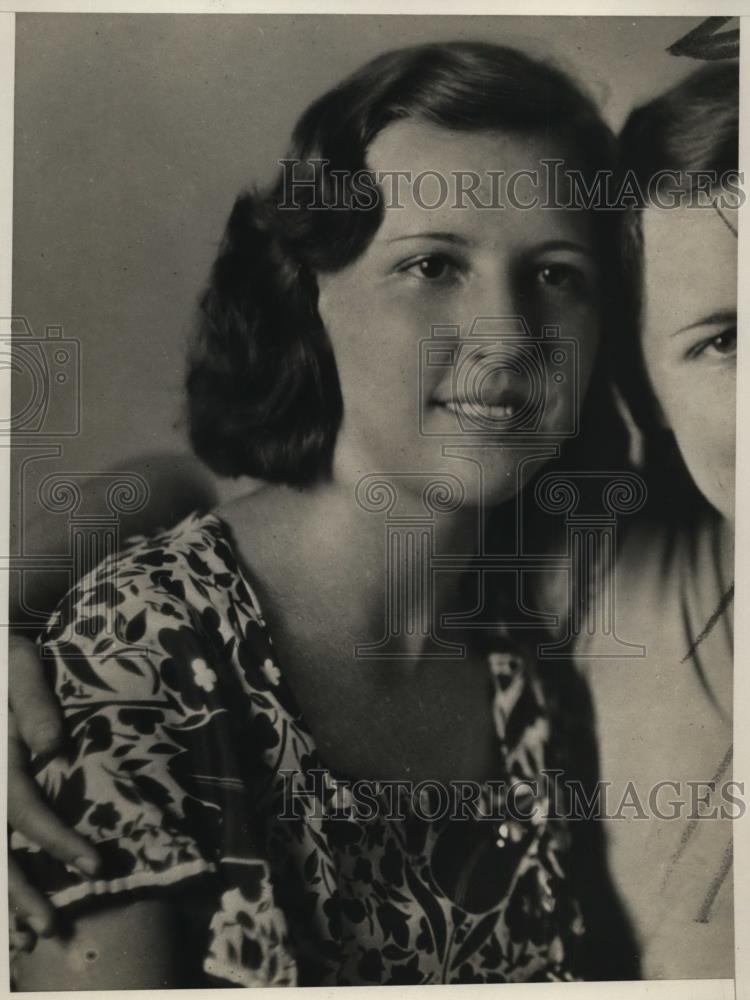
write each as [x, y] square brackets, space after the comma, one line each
[134, 946]
[35, 724]
[146, 728]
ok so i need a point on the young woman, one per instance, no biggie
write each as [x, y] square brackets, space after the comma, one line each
[665, 720]
[236, 660]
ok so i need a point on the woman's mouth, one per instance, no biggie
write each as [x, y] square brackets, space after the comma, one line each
[486, 391]
[501, 398]
[476, 409]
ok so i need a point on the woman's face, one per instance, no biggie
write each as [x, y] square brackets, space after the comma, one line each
[690, 339]
[417, 371]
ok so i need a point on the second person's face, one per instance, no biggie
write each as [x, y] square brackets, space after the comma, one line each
[689, 331]
[428, 270]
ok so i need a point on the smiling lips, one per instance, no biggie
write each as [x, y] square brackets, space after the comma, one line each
[474, 408]
[499, 397]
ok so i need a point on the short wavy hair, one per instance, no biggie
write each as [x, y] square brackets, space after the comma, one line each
[263, 392]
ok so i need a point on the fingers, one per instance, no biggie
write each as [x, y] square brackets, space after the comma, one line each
[21, 940]
[33, 703]
[30, 815]
[35, 724]
[33, 913]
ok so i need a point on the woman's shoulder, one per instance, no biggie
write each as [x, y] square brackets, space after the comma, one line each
[181, 575]
[198, 546]
[282, 535]
[170, 617]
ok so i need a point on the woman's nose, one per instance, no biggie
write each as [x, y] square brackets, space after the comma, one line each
[494, 329]
[495, 299]
[493, 315]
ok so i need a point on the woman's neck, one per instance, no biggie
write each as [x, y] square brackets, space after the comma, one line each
[361, 546]
[349, 520]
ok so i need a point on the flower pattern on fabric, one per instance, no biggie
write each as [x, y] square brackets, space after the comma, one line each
[248, 943]
[184, 738]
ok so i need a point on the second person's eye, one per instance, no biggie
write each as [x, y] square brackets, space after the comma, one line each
[561, 276]
[724, 345]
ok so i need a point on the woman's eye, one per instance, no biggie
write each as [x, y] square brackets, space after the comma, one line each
[433, 267]
[724, 345]
[561, 276]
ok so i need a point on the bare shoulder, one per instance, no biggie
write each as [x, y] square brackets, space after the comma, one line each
[278, 528]
[267, 526]
[276, 536]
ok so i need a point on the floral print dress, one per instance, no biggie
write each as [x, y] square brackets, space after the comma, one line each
[190, 762]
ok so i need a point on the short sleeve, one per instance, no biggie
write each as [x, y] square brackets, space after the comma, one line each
[144, 690]
[149, 661]
[139, 690]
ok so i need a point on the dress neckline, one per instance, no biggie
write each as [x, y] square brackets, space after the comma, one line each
[508, 680]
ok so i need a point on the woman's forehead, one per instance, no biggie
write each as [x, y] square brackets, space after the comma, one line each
[690, 258]
[485, 228]
[482, 186]
[416, 146]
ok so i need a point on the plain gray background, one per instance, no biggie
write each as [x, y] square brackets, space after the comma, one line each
[133, 134]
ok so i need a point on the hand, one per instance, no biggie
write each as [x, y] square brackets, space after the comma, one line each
[35, 724]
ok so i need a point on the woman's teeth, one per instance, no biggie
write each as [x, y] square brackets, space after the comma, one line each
[476, 409]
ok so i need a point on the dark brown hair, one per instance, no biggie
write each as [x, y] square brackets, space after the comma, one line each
[263, 391]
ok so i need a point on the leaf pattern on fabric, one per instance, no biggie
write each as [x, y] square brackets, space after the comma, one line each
[183, 732]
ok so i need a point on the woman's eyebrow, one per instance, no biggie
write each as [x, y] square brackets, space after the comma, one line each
[566, 245]
[457, 239]
[434, 234]
[721, 316]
